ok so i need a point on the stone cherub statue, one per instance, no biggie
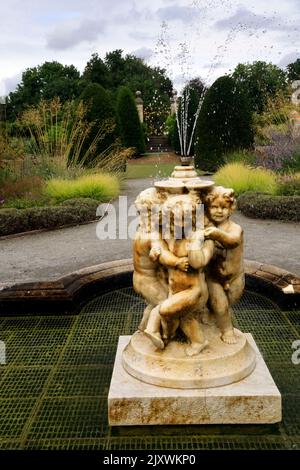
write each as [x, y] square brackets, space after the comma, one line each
[180, 273]
[189, 275]
[150, 277]
[225, 273]
[188, 291]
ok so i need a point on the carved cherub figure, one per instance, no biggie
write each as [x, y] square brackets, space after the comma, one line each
[150, 277]
[225, 273]
[187, 288]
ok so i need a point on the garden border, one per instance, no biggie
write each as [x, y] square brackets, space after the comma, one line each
[68, 293]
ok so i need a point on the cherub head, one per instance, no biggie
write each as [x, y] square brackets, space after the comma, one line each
[148, 204]
[219, 204]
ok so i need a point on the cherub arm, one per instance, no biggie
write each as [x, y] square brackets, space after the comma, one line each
[229, 240]
[200, 253]
[166, 257]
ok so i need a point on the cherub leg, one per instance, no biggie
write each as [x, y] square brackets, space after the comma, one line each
[179, 303]
[236, 289]
[220, 306]
[145, 318]
[154, 293]
[152, 330]
[192, 329]
[207, 317]
[169, 328]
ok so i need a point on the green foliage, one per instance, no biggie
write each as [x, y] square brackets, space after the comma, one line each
[96, 71]
[293, 164]
[289, 185]
[243, 156]
[224, 124]
[171, 127]
[100, 113]
[70, 213]
[264, 206]
[243, 178]
[259, 82]
[62, 136]
[46, 81]
[129, 122]
[96, 186]
[293, 70]
[117, 70]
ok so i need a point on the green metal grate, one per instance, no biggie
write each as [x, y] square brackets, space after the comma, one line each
[53, 389]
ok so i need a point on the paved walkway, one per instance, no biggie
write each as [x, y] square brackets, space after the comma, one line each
[49, 255]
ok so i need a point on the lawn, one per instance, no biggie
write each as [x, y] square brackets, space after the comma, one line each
[149, 170]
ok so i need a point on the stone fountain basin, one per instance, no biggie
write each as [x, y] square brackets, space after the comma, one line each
[70, 292]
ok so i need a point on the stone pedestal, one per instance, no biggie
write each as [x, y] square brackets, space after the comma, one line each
[255, 399]
[218, 364]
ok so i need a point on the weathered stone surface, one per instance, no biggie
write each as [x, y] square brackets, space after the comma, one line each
[254, 399]
[217, 364]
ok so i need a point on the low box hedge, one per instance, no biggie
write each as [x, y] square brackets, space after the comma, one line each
[73, 211]
[266, 206]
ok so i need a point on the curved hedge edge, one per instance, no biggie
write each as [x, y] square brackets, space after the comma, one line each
[69, 213]
[265, 206]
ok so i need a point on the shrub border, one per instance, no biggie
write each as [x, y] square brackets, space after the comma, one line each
[266, 206]
[60, 225]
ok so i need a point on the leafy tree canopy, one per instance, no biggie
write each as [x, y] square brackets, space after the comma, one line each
[44, 82]
[293, 70]
[118, 70]
[260, 81]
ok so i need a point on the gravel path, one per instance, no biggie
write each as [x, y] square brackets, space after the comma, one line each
[49, 255]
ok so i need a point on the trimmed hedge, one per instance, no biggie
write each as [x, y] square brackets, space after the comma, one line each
[265, 206]
[71, 212]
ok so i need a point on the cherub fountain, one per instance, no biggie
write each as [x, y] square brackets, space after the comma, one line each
[188, 267]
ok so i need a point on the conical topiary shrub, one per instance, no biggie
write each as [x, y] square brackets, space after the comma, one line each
[130, 128]
[224, 124]
[100, 111]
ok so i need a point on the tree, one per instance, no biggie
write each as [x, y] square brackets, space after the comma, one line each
[224, 124]
[293, 70]
[101, 114]
[128, 119]
[45, 81]
[260, 81]
[96, 71]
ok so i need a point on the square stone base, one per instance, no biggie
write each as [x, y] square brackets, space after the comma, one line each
[253, 400]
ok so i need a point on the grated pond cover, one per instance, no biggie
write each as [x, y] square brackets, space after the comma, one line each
[54, 386]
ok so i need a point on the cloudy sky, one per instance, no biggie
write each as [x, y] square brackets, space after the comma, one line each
[187, 37]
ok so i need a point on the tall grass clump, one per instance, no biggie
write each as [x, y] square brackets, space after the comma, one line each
[244, 178]
[100, 186]
[59, 137]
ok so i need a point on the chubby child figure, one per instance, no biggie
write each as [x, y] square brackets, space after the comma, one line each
[150, 277]
[225, 273]
[187, 287]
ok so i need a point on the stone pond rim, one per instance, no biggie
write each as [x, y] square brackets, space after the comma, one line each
[67, 294]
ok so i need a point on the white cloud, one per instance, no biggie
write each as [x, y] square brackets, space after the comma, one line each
[177, 12]
[66, 37]
[249, 19]
[143, 53]
[69, 31]
[289, 59]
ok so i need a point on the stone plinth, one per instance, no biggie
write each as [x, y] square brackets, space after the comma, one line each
[218, 364]
[253, 400]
